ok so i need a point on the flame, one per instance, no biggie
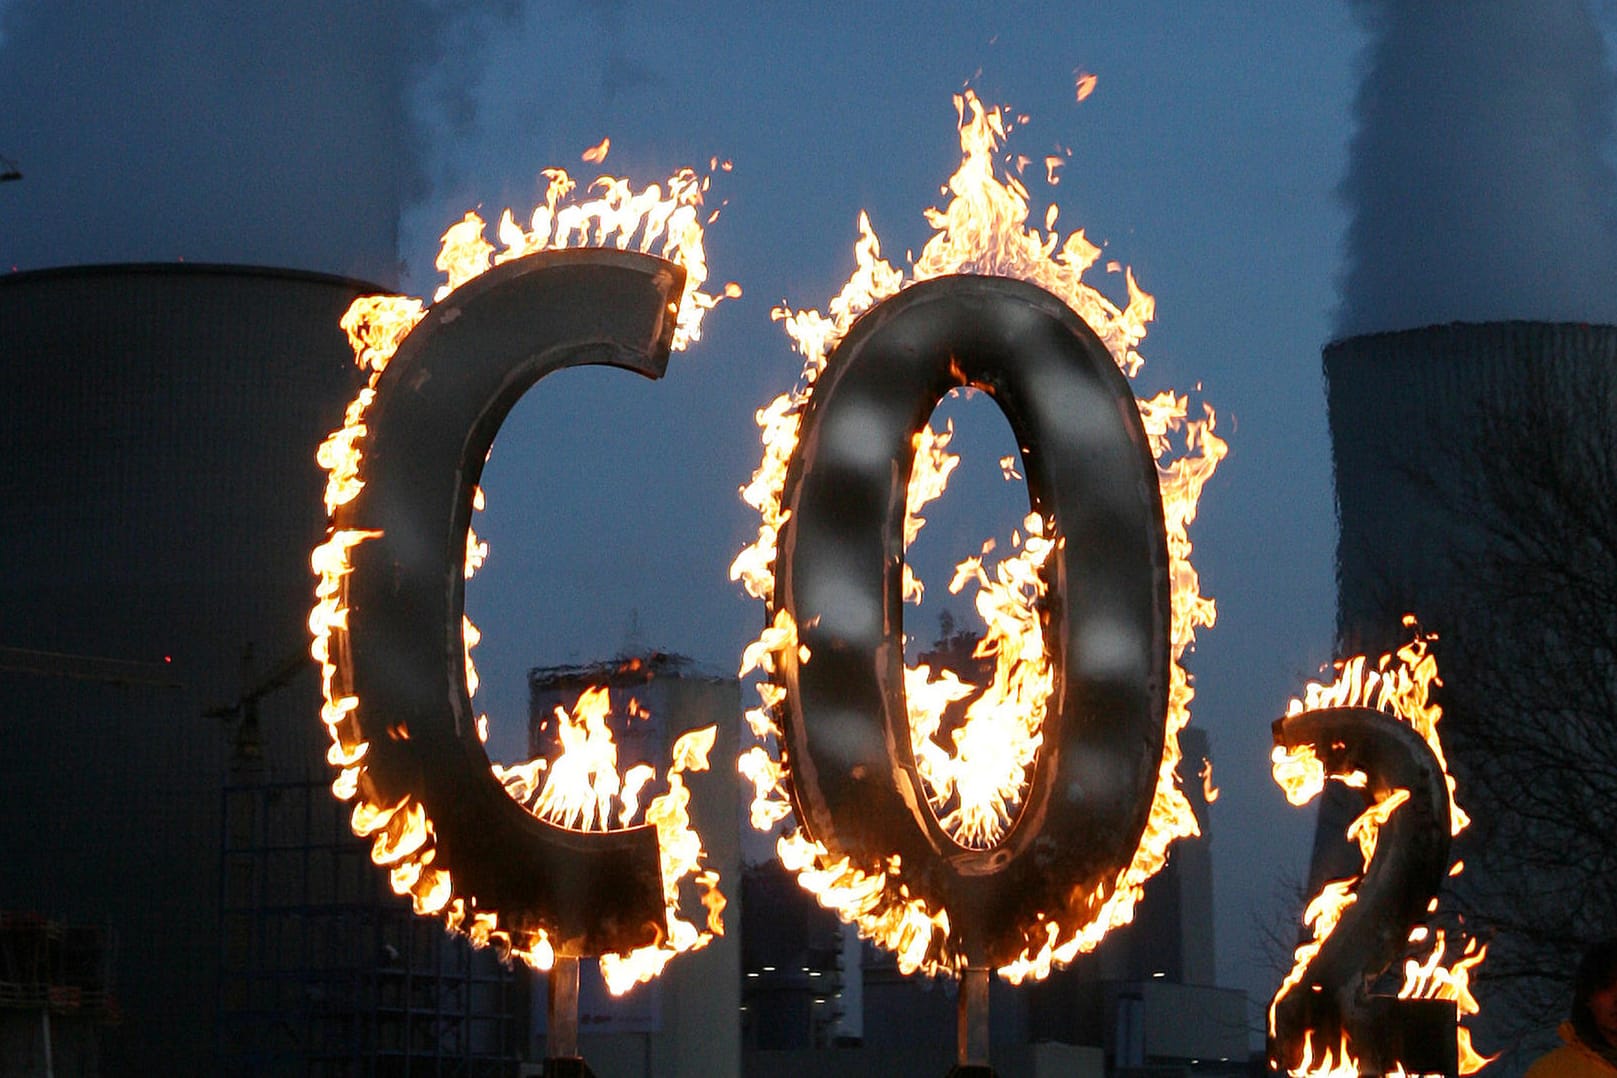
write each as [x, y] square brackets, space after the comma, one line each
[1084, 85]
[1331, 1061]
[680, 848]
[976, 784]
[1209, 791]
[1398, 684]
[660, 219]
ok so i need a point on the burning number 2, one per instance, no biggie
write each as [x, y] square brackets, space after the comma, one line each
[1325, 1006]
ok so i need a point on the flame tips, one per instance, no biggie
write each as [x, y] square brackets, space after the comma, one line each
[1084, 85]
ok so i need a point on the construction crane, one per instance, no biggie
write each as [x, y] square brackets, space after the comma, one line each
[249, 741]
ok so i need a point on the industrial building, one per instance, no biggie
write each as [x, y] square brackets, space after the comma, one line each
[810, 998]
[684, 1022]
[55, 995]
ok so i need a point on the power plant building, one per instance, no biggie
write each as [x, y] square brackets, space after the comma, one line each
[791, 991]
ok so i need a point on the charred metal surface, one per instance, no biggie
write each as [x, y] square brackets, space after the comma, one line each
[438, 406]
[1091, 475]
[1410, 863]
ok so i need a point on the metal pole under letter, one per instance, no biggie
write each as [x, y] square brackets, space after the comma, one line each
[972, 1057]
[561, 1043]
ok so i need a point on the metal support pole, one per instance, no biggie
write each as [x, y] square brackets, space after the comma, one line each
[45, 1032]
[971, 1060]
[562, 1041]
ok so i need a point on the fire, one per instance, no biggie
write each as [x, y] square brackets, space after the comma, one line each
[976, 785]
[1398, 684]
[579, 790]
[1332, 1061]
[581, 783]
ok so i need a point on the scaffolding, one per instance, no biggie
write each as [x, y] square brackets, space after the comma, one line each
[325, 972]
[56, 990]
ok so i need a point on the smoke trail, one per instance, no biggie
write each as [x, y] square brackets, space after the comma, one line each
[1481, 186]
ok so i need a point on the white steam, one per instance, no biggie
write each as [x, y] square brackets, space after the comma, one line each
[1481, 185]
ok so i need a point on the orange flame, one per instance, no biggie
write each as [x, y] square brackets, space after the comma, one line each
[1209, 791]
[1398, 684]
[976, 785]
[654, 220]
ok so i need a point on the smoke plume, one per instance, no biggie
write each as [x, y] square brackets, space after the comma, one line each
[1481, 184]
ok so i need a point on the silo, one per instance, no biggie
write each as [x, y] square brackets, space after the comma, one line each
[684, 1021]
[156, 514]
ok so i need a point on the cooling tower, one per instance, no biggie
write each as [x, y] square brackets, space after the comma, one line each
[1450, 444]
[1410, 415]
[1406, 409]
[157, 511]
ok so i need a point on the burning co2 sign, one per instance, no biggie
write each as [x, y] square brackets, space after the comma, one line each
[1013, 849]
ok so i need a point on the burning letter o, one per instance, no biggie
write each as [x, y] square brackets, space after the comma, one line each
[1091, 476]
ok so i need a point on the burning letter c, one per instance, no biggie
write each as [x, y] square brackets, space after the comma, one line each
[437, 408]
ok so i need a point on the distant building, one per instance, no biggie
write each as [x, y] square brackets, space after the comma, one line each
[814, 999]
[56, 995]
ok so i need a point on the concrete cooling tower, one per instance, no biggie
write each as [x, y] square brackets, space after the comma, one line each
[157, 510]
[1472, 464]
[1409, 415]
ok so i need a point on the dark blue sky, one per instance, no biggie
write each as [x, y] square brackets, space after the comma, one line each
[1208, 159]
